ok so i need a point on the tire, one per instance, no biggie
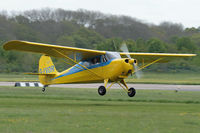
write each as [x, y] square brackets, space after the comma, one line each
[102, 90]
[131, 92]
[43, 89]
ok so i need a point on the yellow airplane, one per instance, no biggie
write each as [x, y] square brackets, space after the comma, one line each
[89, 66]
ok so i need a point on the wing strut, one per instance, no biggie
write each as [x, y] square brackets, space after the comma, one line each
[144, 66]
[125, 87]
[72, 64]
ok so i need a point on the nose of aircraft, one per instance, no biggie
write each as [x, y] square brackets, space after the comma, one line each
[131, 61]
[129, 65]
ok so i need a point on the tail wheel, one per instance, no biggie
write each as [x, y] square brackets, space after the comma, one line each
[44, 88]
[131, 92]
[102, 90]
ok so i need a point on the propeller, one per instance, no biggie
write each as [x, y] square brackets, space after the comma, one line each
[138, 72]
[124, 49]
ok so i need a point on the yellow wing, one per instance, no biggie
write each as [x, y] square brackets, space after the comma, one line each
[51, 50]
[150, 57]
[60, 51]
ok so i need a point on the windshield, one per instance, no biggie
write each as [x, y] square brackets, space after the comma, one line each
[113, 55]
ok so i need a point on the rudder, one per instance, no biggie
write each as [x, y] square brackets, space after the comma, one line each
[47, 67]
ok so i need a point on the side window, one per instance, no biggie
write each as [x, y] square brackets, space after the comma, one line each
[86, 63]
[96, 60]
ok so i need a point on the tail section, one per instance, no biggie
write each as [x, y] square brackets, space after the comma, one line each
[47, 70]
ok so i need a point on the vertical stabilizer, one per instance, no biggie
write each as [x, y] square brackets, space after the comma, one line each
[46, 69]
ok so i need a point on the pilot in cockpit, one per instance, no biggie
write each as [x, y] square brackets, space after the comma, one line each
[96, 60]
[93, 61]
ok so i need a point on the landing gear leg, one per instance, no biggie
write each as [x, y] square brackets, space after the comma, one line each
[102, 89]
[131, 92]
[44, 88]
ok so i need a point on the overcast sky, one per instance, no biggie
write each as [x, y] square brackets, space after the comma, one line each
[151, 11]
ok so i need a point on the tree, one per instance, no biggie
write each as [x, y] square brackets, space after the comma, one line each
[86, 38]
[66, 40]
[131, 44]
[93, 30]
[156, 45]
[185, 44]
[112, 44]
[141, 45]
[171, 29]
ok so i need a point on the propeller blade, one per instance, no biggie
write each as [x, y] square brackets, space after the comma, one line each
[138, 73]
[124, 49]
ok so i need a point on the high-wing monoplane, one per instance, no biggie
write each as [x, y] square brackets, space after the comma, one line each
[89, 66]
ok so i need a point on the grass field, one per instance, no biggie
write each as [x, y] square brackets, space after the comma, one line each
[17, 77]
[66, 110]
[167, 78]
[156, 78]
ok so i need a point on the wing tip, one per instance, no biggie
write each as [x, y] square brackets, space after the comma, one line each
[190, 55]
[8, 45]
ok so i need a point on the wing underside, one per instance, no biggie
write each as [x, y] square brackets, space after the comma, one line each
[51, 50]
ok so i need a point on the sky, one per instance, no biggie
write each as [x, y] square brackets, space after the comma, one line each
[185, 12]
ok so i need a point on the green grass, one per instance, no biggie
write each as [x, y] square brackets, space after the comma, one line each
[167, 78]
[13, 77]
[62, 110]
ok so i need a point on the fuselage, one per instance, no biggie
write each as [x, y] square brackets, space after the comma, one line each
[110, 66]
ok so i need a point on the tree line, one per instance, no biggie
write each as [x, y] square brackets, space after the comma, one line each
[94, 30]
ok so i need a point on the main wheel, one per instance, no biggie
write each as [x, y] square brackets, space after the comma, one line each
[131, 92]
[102, 90]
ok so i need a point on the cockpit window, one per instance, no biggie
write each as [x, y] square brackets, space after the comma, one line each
[92, 61]
[113, 55]
[86, 63]
[96, 60]
[101, 59]
[104, 58]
